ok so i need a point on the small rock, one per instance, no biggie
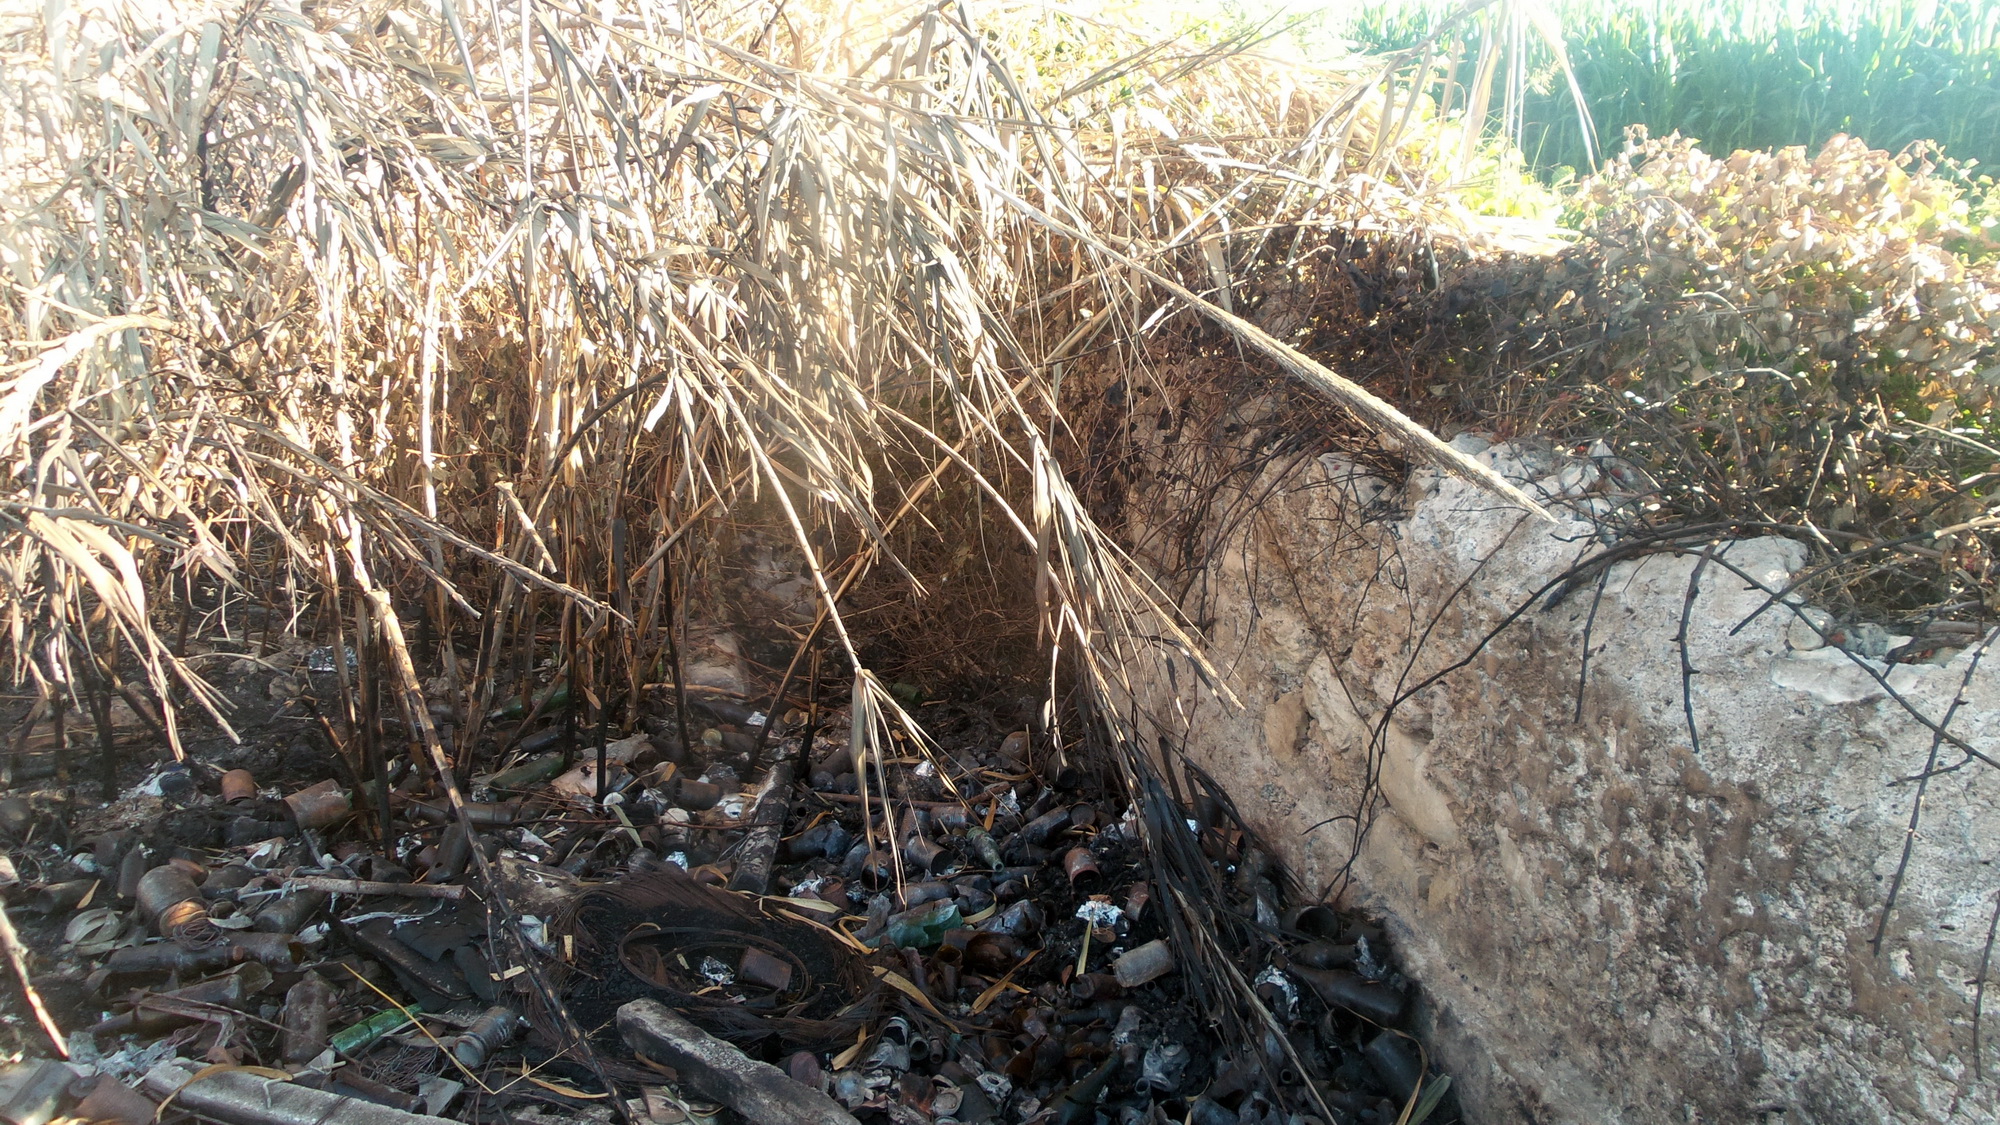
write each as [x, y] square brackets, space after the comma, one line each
[1014, 751]
[16, 815]
[1808, 630]
[1471, 444]
[1869, 640]
[1573, 479]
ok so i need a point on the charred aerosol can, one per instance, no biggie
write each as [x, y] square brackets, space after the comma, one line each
[491, 1031]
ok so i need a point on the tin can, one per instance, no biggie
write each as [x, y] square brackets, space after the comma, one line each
[320, 806]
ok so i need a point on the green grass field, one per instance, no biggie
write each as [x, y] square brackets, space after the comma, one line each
[1739, 73]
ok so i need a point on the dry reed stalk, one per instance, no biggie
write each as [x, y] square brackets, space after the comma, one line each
[17, 956]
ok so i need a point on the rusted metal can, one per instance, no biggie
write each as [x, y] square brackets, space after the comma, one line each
[145, 960]
[1081, 867]
[454, 851]
[320, 806]
[994, 953]
[61, 898]
[224, 882]
[169, 900]
[951, 947]
[289, 911]
[826, 838]
[228, 990]
[1096, 986]
[1376, 1002]
[762, 969]
[917, 894]
[1314, 920]
[276, 951]
[920, 854]
[483, 814]
[238, 785]
[1137, 899]
[972, 900]
[1044, 827]
[305, 1018]
[1324, 955]
[1015, 750]
[1147, 962]
[1396, 1062]
[876, 868]
[133, 868]
[697, 796]
[1022, 919]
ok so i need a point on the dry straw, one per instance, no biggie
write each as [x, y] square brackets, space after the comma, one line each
[359, 311]
[490, 318]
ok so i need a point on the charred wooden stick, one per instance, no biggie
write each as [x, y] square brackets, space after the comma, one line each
[762, 1093]
[240, 1098]
[18, 955]
[334, 886]
[680, 684]
[96, 692]
[987, 793]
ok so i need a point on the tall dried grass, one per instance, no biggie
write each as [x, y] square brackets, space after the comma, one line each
[487, 316]
[370, 310]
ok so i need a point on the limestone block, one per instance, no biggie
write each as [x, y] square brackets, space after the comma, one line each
[1615, 925]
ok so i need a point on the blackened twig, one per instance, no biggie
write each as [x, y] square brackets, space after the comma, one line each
[1681, 643]
[1923, 785]
[1583, 668]
[1979, 988]
[667, 608]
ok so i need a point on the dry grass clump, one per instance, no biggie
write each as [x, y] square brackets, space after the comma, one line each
[1806, 339]
[1790, 339]
[1850, 268]
[497, 312]
[1790, 342]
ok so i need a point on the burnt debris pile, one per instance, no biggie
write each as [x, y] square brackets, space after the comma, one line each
[712, 919]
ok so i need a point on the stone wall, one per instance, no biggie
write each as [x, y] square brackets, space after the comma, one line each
[1612, 924]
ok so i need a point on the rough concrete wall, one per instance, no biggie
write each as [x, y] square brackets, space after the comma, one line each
[1613, 925]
